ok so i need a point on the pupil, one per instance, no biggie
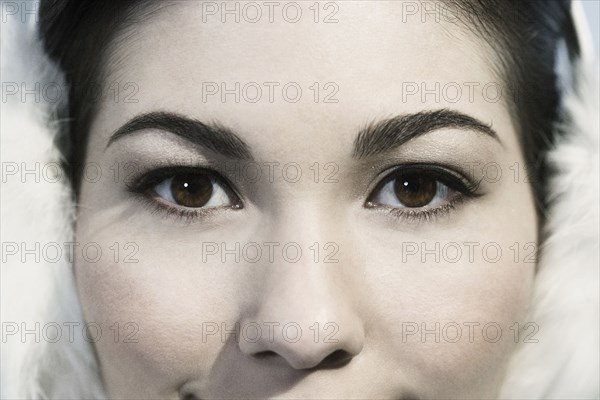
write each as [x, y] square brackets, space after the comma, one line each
[415, 191]
[192, 190]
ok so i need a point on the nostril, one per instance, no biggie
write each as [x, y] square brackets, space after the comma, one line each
[189, 396]
[265, 354]
[337, 359]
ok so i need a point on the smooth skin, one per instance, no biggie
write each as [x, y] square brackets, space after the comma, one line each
[180, 298]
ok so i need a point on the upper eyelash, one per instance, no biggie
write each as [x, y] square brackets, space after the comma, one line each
[465, 187]
[457, 181]
[141, 185]
[154, 177]
[149, 179]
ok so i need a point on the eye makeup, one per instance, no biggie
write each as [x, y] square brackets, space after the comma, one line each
[422, 192]
[185, 192]
[410, 192]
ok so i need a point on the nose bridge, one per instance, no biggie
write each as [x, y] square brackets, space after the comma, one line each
[305, 229]
[306, 301]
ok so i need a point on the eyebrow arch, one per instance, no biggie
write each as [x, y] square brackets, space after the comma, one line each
[383, 136]
[213, 137]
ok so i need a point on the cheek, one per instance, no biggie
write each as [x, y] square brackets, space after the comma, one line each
[451, 324]
[450, 298]
[156, 302]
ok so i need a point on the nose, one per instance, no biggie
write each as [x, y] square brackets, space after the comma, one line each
[306, 315]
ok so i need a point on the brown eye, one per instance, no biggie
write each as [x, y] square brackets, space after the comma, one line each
[421, 191]
[194, 190]
[413, 190]
[191, 190]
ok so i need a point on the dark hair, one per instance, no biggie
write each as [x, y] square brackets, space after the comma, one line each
[527, 34]
[77, 35]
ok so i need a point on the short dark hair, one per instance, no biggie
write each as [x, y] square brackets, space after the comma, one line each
[527, 34]
[77, 33]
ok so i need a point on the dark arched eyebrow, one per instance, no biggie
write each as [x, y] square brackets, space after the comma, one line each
[383, 136]
[376, 138]
[213, 137]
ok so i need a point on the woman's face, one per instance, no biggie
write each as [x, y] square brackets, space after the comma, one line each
[367, 237]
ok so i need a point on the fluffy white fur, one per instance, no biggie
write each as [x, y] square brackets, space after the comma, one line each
[564, 364]
[39, 212]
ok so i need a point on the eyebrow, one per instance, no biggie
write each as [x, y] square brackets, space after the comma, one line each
[214, 137]
[383, 136]
[376, 138]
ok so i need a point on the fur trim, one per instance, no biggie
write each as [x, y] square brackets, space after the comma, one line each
[564, 364]
[37, 212]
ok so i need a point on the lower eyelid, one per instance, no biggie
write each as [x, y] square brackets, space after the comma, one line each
[425, 214]
[411, 215]
[179, 213]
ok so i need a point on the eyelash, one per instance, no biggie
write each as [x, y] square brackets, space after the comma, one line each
[465, 189]
[142, 186]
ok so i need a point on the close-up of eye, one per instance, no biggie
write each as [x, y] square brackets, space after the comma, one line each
[419, 187]
[198, 190]
[185, 191]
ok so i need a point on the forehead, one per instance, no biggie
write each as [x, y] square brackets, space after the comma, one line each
[318, 67]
